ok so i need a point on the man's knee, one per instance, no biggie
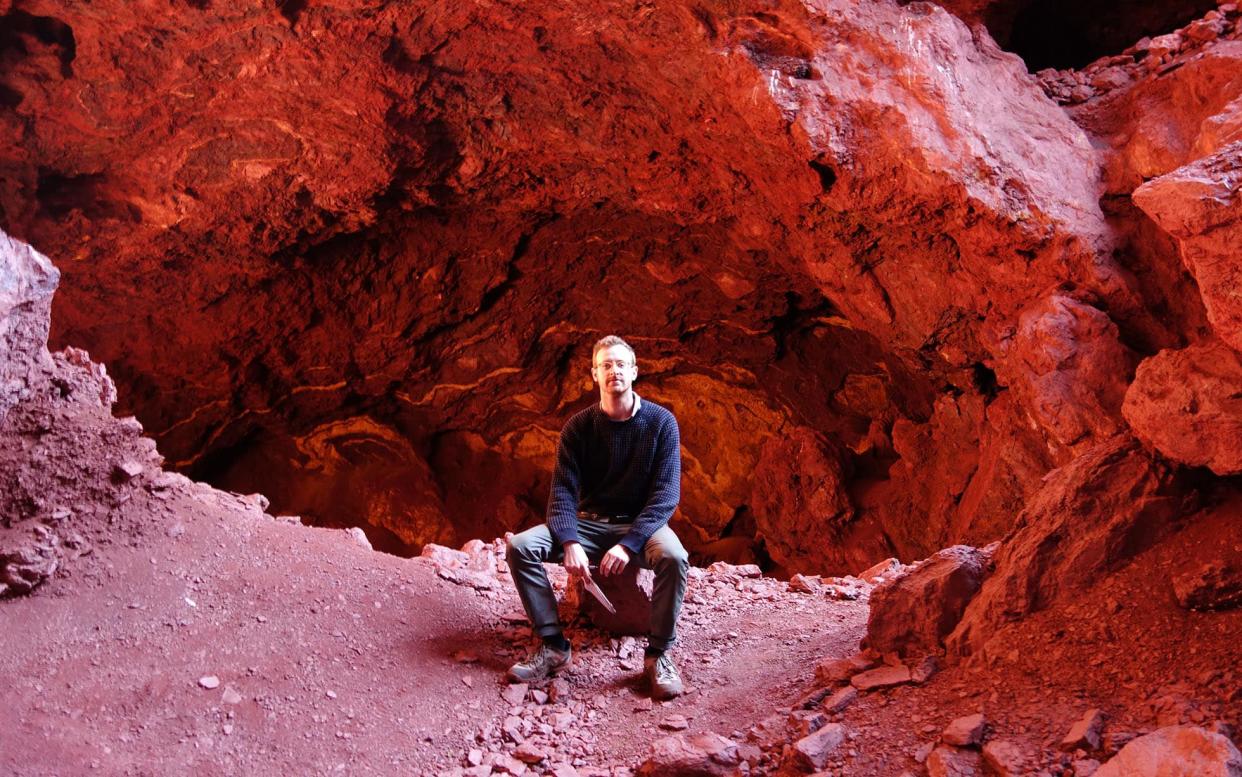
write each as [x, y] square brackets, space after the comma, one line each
[667, 553]
[530, 545]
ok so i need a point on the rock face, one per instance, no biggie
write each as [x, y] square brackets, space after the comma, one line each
[862, 256]
[1184, 404]
[911, 614]
[373, 260]
[27, 281]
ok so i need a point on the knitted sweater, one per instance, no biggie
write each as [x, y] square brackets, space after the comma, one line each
[630, 468]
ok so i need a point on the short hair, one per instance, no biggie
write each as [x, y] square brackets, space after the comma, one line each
[608, 342]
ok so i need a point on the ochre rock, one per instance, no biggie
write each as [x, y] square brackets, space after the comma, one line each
[912, 613]
[1092, 514]
[1185, 405]
[1201, 206]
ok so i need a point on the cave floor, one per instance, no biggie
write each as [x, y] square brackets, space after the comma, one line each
[331, 658]
[334, 659]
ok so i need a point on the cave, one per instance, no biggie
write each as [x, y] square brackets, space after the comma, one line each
[914, 307]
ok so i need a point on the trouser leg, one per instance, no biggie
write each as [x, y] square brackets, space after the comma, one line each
[527, 552]
[665, 555]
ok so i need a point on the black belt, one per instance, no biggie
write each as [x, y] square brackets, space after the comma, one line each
[605, 518]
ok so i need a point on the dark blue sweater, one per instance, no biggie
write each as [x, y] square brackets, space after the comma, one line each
[630, 467]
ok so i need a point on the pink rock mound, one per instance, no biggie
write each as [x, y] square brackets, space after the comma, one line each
[1184, 404]
[1091, 515]
[912, 614]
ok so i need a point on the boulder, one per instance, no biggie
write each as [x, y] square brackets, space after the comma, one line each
[692, 755]
[1176, 751]
[1209, 585]
[1199, 204]
[629, 592]
[1183, 404]
[913, 611]
[1101, 509]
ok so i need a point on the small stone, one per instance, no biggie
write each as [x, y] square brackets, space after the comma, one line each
[330, 694]
[539, 696]
[465, 657]
[883, 677]
[839, 670]
[210, 682]
[530, 753]
[1005, 758]
[515, 694]
[947, 761]
[675, 723]
[558, 691]
[231, 696]
[643, 705]
[814, 750]
[474, 757]
[1085, 734]
[1084, 767]
[840, 700]
[964, 731]
[127, 470]
[924, 669]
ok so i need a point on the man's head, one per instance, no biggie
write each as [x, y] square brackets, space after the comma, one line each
[613, 365]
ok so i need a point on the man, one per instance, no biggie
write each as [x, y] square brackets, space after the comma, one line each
[616, 484]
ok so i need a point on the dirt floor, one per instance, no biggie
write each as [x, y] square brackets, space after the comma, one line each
[331, 658]
[324, 657]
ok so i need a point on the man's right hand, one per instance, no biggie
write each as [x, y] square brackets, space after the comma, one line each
[576, 563]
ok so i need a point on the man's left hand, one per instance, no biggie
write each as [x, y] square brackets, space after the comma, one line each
[614, 561]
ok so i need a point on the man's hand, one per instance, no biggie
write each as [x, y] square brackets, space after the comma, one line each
[575, 562]
[614, 561]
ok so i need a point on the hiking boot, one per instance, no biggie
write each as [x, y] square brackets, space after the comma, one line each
[545, 661]
[662, 677]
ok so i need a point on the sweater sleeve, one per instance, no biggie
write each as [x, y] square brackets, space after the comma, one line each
[566, 484]
[665, 490]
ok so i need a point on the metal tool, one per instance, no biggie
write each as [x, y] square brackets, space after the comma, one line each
[589, 583]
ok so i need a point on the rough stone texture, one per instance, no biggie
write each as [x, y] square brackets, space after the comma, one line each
[1185, 405]
[1005, 757]
[27, 281]
[881, 677]
[1085, 733]
[954, 762]
[964, 731]
[629, 593]
[1092, 514]
[694, 755]
[1200, 205]
[1210, 577]
[816, 749]
[912, 613]
[801, 504]
[1176, 751]
[1070, 370]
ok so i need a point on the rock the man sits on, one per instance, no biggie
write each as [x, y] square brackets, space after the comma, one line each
[616, 483]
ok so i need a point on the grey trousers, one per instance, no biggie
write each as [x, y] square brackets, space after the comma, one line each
[662, 554]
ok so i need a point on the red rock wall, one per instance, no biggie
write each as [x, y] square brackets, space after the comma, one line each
[354, 255]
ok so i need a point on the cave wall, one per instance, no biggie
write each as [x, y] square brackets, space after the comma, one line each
[354, 254]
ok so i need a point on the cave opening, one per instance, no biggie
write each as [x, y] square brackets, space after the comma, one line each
[1066, 34]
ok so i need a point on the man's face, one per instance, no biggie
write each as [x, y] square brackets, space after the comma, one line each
[614, 369]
